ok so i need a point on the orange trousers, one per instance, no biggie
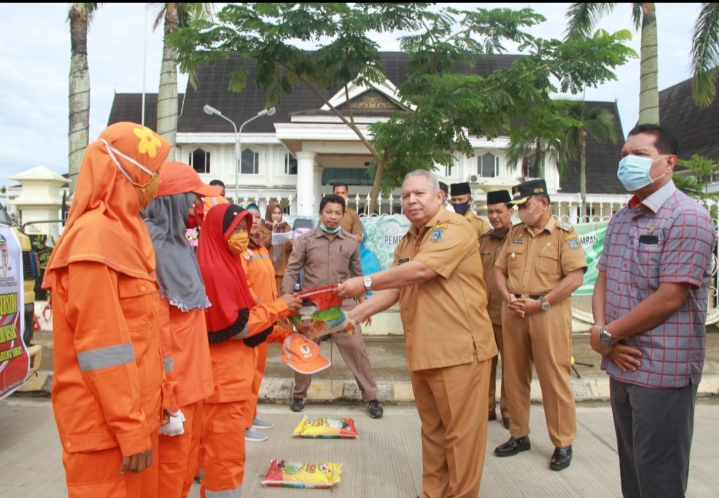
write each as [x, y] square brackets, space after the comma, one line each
[260, 362]
[91, 474]
[223, 442]
[178, 455]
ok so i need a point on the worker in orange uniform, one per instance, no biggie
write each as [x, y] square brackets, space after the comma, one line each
[233, 318]
[186, 351]
[261, 277]
[214, 200]
[107, 382]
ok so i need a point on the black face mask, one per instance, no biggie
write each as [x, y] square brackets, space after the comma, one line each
[461, 208]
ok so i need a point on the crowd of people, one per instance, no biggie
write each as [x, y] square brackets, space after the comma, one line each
[160, 348]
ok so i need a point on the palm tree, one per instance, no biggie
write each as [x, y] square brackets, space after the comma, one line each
[705, 54]
[175, 15]
[80, 16]
[582, 17]
[596, 122]
[531, 152]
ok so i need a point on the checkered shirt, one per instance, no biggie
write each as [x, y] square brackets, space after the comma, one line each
[673, 351]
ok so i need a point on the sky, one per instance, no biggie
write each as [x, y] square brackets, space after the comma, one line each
[35, 55]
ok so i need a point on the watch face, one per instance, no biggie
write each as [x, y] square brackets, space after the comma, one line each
[545, 306]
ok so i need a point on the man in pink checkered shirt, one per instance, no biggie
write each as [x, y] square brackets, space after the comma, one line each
[649, 305]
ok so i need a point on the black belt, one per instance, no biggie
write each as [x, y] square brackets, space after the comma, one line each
[522, 296]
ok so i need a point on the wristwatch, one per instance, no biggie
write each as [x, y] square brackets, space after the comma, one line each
[606, 338]
[545, 304]
[368, 283]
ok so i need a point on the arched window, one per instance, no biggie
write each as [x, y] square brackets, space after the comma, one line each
[200, 160]
[250, 162]
[487, 165]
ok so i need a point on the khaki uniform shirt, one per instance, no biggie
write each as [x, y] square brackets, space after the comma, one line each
[535, 264]
[351, 222]
[445, 319]
[479, 225]
[325, 261]
[489, 248]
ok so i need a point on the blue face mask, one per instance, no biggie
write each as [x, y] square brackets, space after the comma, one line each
[461, 208]
[334, 230]
[633, 172]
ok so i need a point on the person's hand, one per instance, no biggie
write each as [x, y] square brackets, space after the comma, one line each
[354, 287]
[286, 324]
[523, 306]
[596, 342]
[166, 414]
[293, 303]
[138, 462]
[625, 357]
[367, 322]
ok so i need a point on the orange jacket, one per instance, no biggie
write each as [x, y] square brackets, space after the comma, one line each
[261, 277]
[185, 355]
[108, 369]
[213, 201]
[233, 362]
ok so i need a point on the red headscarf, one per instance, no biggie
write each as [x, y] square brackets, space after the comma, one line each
[225, 280]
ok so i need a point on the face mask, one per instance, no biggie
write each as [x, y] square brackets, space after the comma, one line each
[633, 172]
[529, 218]
[195, 220]
[238, 243]
[145, 193]
[334, 230]
[461, 208]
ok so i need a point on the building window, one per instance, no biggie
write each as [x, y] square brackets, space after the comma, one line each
[250, 162]
[448, 171]
[290, 164]
[200, 161]
[487, 165]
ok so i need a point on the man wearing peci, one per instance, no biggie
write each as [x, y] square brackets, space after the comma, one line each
[462, 204]
[650, 305]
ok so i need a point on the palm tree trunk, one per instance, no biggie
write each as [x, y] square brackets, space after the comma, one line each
[167, 95]
[79, 95]
[377, 186]
[648, 88]
[583, 168]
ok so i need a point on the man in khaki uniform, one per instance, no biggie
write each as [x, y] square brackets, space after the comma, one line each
[500, 213]
[447, 331]
[462, 205]
[350, 220]
[538, 268]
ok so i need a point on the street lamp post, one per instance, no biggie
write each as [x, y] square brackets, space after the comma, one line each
[238, 140]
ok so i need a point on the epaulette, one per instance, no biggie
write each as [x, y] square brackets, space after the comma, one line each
[565, 226]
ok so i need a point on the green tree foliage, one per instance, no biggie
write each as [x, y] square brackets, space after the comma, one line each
[696, 183]
[446, 101]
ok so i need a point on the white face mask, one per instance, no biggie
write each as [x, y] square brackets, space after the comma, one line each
[528, 217]
[112, 151]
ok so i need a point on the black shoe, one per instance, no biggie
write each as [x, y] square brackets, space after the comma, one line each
[297, 405]
[561, 458]
[492, 416]
[505, 421]
[375, 409]
[513, 446]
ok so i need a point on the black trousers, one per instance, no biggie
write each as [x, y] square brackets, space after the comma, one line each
[654, 436]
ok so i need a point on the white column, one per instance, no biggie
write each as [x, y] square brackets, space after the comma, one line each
[317, 180]
[305, 183]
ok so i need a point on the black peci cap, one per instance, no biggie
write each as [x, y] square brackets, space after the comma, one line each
[460, 189]
[498, 197]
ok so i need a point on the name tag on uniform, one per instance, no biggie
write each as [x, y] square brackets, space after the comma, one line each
[518, 241]
[648, 240]
[486, 253]
[404, 260]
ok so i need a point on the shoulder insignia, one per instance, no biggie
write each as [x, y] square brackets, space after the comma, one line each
[565, 226]
[573, 242]
[439, 226]
[436, 235]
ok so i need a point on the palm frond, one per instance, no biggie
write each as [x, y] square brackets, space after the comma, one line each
[637, 15]
[705, 54]
[582, 17]
[601, 124]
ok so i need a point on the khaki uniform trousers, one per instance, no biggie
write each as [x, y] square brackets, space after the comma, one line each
[493, 377]
[354, 353]
[91, 474]
[451, 403]
[178, 455]
[545, 340]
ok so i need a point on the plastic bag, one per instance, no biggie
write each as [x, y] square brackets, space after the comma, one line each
[326, 428]
[286, 474]
[321, 313]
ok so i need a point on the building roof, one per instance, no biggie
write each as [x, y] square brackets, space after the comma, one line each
[128, 107]
[693, 127]
[602, 160]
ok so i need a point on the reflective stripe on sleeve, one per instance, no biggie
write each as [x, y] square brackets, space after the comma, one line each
[229, 493]
[110, 356]
[167, 363]
[243, 334]
[259, 256]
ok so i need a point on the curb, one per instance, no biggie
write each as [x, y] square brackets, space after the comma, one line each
[274, 390]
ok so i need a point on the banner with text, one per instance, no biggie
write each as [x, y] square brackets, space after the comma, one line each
[14, 358]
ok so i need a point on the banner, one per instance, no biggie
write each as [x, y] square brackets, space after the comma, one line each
[14, 358]
[383, 233]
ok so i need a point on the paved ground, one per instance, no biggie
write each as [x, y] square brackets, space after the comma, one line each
[384, 462]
